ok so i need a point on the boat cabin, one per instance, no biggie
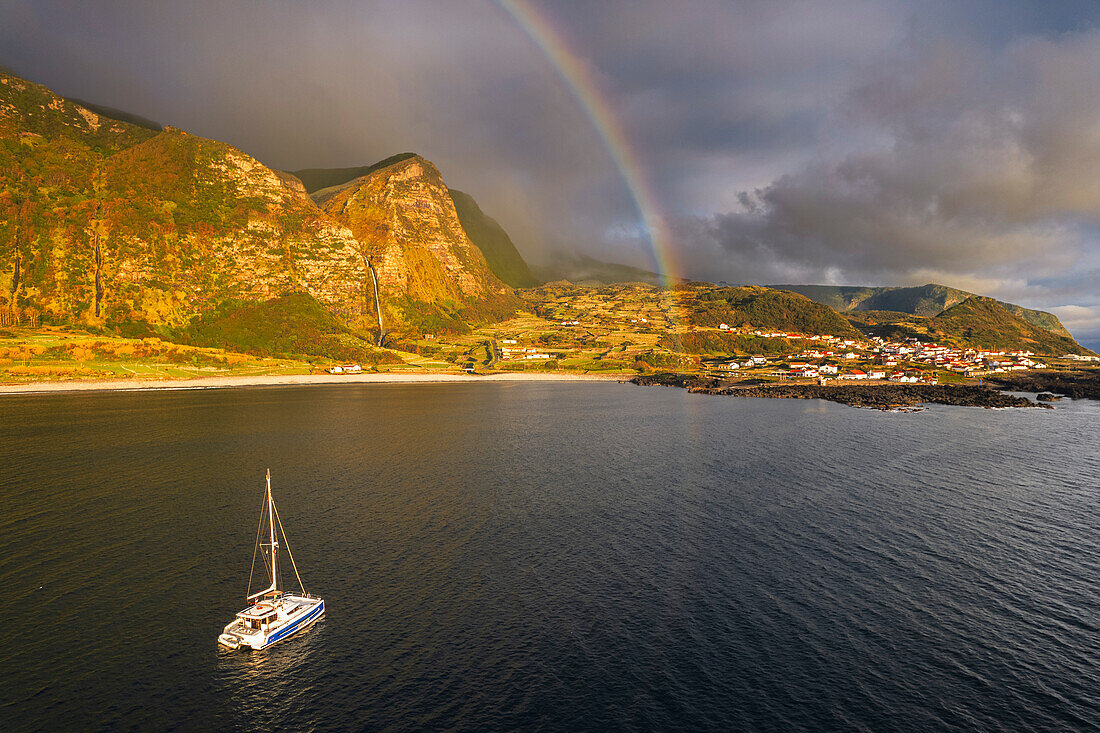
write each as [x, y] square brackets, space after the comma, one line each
[259, 616]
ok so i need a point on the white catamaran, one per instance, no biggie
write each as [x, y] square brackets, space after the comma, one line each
[274, 614]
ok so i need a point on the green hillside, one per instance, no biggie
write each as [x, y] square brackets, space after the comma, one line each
[488, 236]
[293, 325]
[890, 325]
[766, 308]
[924, 300]
[985, 323]
[1042, 319]
[976, 322]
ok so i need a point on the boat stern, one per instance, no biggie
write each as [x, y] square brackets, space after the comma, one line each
[230, 641]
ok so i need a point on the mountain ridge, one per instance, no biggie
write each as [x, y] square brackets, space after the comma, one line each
[976, 322]
[108, 225]
[923, 300]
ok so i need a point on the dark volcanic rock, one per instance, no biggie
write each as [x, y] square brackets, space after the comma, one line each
[1047, 397]
[1077, 384]
[876, 396]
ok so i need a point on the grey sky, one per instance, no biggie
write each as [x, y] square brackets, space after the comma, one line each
[842, 141]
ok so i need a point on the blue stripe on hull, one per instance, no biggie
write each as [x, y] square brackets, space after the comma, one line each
[298, 626]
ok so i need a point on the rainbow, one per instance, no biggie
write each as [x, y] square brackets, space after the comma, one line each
[579, 80]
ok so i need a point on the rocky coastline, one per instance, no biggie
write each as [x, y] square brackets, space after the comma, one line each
[1078, 384]
[875, 396]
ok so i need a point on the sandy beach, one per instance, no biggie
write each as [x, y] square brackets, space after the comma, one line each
[293, 380]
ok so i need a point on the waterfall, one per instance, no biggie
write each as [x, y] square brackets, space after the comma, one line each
[377, 300]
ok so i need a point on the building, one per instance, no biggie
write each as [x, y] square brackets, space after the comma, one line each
[721, 365]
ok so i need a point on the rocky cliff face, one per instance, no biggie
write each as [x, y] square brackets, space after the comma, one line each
[105, 222]
[405, 222]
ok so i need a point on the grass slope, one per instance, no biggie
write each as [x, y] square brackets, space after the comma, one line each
[769, 309]
[291, 325]
[986, 323]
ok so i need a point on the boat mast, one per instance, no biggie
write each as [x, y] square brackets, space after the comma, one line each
[271, 523]
[272, 518]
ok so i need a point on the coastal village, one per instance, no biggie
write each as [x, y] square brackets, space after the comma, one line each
[617, 331]
[830, 357]
[626, 328]
[907, 361]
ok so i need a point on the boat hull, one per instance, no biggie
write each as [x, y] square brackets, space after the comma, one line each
[304, 613]
[291, 629]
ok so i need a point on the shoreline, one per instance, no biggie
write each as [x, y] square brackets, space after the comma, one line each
[225, 382]
[874, 395]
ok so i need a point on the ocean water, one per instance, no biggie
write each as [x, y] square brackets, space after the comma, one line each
[551, 557]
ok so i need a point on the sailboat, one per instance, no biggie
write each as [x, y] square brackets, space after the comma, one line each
[274, 614]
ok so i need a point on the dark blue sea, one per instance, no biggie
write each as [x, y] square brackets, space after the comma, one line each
[561, 557]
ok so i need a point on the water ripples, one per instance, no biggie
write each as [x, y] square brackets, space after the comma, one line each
[566, 557]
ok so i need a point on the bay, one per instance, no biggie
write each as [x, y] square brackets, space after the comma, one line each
[551, 556]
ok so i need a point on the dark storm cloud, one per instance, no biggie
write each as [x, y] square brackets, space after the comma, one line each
[985, 179]
[843, 141]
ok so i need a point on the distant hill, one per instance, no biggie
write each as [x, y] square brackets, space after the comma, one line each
[922, 300]
[976, 322]
[838, 297]
[985, 322]
[766, 308]
[488, 236]
[581, 269]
